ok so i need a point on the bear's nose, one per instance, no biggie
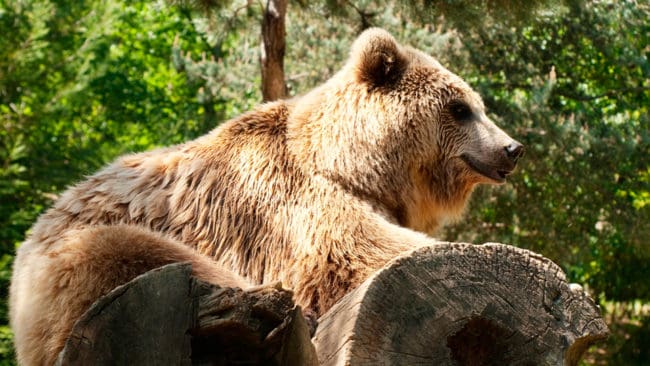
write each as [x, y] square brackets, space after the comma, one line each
[515, 151]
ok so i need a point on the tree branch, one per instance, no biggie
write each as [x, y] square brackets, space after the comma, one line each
[185, 12]
[366, 16]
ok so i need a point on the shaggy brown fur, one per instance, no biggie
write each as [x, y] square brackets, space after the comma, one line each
[317, 192]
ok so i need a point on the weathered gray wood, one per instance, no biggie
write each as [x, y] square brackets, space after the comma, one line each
[130, 327]
[462, 304]
[255, 327]
[167, 317]
[297, 347]
[451, 304]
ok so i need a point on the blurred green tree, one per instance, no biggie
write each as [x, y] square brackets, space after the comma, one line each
[574, 85]
[79, 84]
[238, 15]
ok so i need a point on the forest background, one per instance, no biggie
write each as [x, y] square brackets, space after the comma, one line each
[83, 82]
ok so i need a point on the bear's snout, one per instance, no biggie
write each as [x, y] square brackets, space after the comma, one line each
[514, 151]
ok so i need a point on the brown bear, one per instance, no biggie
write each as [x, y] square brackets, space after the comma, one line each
[317, 192]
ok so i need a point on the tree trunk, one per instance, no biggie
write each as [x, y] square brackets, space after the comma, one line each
[462, 304]
[167, 317]
[449, 304]
[272, 50]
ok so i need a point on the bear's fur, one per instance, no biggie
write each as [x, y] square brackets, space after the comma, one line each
[317, 192]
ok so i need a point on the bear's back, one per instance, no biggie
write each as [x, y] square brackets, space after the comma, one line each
[224, 187]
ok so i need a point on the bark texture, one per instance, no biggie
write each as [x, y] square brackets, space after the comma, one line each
[449, 304]
[462, 304]
[272, 50]
[167, 317]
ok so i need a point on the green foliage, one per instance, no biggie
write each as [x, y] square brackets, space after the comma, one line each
[629, 324]
[573, 86]
[227, 75]
[79, 84]
[633, 347]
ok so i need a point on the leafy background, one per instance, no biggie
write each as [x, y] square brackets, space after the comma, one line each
[83, 82]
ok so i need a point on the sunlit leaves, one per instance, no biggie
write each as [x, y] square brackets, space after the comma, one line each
[582, 187]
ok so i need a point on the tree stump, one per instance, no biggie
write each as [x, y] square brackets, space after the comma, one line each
[167, 317]
[449, 304]
[462, 304]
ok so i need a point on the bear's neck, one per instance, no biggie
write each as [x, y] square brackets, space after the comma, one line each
[348, 149]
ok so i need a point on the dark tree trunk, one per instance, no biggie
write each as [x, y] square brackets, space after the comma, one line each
[272, 50]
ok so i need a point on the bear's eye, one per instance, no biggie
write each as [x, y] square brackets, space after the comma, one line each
[460, 111]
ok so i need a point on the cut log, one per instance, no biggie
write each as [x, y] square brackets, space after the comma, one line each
[462, 304]
[450, 304]
[167, 317]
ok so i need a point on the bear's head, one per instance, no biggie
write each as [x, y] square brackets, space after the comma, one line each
[397, 129]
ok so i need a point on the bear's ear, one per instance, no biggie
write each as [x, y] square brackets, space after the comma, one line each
[377, 58]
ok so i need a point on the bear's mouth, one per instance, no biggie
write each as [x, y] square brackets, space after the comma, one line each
[494, 173]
